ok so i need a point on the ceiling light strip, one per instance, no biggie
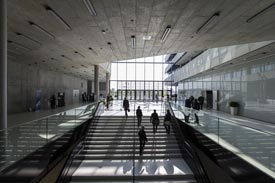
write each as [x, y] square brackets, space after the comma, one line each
[209, 21]
[90, 7]
[260, 13]
[41, 30]
[57, 16]
[76, 52]
[111, 46]
[133, 40]
[165, 33]
[19, 45]
[27, 37]
[68, 58]
[93, 50]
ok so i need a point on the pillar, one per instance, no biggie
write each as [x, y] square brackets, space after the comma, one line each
[3, 64]
[107, 83]
[96, 83]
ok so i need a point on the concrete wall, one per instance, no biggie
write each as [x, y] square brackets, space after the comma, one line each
[24, 81]
[252, 85]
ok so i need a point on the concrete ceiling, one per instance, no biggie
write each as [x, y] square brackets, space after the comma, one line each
[74, 48]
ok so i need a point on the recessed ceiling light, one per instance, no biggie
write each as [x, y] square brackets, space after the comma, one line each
[147, 38]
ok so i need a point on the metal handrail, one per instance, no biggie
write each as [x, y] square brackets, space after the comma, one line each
[78, 148]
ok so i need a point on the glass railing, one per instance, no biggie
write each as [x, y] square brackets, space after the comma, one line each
[255, 146]
[19, 141]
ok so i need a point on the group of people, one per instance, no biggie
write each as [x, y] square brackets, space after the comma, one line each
[196, 104]
[154, 119]
[155, 122]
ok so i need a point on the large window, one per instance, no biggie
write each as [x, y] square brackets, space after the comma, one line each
[140, 78]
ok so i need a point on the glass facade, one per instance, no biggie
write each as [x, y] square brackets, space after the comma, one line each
[140, 79]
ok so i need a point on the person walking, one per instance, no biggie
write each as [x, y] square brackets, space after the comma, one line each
[142, 139]
[155, 121]
[107, 101]
[167, 121]
[139, 115]
[126, 106]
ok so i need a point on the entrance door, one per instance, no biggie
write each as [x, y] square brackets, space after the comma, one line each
[212, 99]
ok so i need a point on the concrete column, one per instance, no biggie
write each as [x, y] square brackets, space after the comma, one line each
[3, 64]
[96, 83]
[108, 75]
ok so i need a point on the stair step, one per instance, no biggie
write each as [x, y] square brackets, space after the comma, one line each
[155, 178]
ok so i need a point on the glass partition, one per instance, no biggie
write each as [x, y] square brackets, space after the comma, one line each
[253, 145]
[19, 141]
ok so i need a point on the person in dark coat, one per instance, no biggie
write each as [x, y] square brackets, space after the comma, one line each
[191, 99]
[201, 100]
[167, 121]
[196, 106]
[142, 139]
[187, 103]
[126, 106]
[52, 101]
[155, 121]
[107, 101]
[139, 115]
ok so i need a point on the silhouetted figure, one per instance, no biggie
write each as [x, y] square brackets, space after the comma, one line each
[126, 106]
[201, 101]
[187, 103]
[168, 97]
[52, 101]
[191, 99]
[186, 118]
[139, 115]
[196, 106]
[167, 121]
[142, 139]
[84, 97]
[155, 121]
[176, 98]
[107, 101]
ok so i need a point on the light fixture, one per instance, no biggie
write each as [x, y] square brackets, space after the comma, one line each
[57, 16]
[92, 50]
[90, 7]
[165, 33]
[19, 45]
[260, 13]
[41, 29]
[133, 40]
[146, 38]
[27, 37]
[76, 52]
[111, 46]
[64, 56]
[209, 21]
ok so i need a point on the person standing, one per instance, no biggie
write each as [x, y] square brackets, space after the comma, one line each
[155, 121]
[126, 106]
[139, 115]
[167, 121]
[201, 100]
[196, 106]
[142, 139]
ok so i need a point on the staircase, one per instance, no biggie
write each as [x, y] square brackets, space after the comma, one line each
[111, 154]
